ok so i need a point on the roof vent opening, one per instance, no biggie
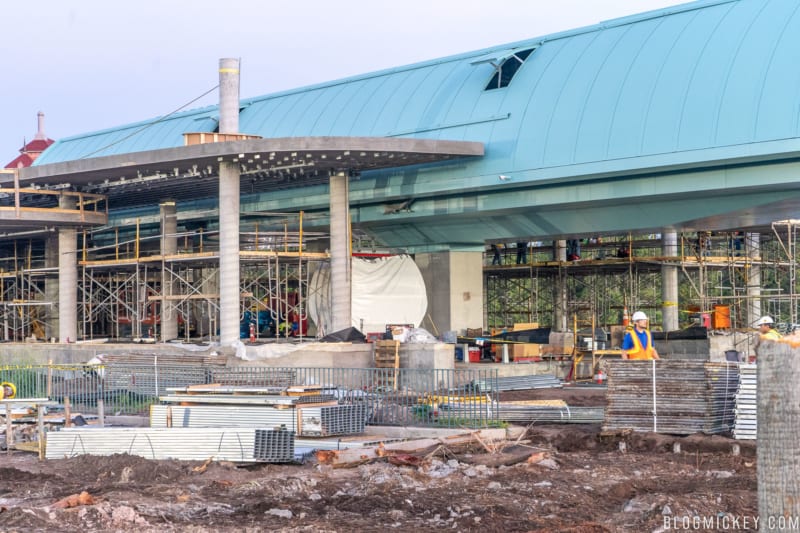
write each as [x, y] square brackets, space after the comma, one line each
[505, 67]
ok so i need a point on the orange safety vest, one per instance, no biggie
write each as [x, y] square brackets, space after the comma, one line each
[638, 351]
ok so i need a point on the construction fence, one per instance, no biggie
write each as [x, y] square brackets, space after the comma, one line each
[400, 397]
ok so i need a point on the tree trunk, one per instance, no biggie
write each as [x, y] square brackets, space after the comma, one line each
[778, 437]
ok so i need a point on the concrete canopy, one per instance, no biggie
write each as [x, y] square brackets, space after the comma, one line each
[190, 172]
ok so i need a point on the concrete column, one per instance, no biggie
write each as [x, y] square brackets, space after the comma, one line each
[169, 246]
[341, 279]
[752, 247]
[51, 287]
[669, 282]
[454, 286]
[560, 318]
[229, 292]
[67, 278]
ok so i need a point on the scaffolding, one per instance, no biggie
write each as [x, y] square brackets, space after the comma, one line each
[126, 288]
[716, 274]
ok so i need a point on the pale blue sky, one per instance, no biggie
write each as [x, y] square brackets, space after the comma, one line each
[94, 64]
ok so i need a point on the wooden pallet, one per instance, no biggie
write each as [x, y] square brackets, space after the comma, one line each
[387, 355]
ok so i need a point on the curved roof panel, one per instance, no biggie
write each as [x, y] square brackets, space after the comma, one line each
[701, 76]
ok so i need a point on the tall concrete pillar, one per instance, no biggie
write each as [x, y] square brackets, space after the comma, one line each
[229, 293]
[51, 287]
[67, 278]
[669, 282]
[169, 246]
[454, 286]
[341, 265]
[560, 318]
[752, 246]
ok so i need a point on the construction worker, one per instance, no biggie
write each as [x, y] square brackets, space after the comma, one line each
[766, 328]
[638, 342]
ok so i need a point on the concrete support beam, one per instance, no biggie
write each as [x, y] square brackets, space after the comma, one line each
[752, 247]
[67, 278]
[454, 286]
[169, 246]
[669, 282]
[341, 266]
[229, 299]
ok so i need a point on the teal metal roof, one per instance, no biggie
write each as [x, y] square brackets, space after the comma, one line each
[698, 76]
[676, 88]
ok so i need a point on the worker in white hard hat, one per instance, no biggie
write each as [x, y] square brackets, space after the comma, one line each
[766, 328]
[638, 342]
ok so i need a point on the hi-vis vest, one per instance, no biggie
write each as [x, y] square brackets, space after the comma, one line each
[638, 351]
[772, 335]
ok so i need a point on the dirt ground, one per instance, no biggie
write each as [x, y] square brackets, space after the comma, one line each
[585, 483]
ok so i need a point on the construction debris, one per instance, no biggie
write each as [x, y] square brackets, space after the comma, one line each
[351, 457]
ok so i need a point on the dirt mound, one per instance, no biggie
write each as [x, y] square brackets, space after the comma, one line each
[12, 474]
[123, 468]
[573, 395]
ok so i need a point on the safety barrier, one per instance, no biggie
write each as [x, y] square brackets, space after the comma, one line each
[415, 397]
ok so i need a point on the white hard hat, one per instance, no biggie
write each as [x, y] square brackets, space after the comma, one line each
[764, 320]
[638, 315]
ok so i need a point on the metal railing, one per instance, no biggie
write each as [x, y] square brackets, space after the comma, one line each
[413, 397]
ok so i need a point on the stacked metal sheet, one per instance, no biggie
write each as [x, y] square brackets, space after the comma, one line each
[509, 383]
[562, 414]
[249, 445]
[746, 426]
[678, 397]
[551, 414]
[309, 421]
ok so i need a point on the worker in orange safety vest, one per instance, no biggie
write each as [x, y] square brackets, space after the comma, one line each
[638, 342]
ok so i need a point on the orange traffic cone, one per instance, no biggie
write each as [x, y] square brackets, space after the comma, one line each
[625, 318]
[600, 376]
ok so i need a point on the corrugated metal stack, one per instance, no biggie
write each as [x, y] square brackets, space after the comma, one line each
[311, 413]
[746, 403]
[250, 445]
[678, 397]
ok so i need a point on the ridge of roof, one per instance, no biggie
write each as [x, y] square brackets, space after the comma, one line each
[534, 41]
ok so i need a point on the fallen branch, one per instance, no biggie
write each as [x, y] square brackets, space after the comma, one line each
[356, 456]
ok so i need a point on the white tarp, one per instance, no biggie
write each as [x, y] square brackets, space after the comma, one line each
[386, 290]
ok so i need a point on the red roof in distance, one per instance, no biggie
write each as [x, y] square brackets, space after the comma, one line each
[31, 150]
